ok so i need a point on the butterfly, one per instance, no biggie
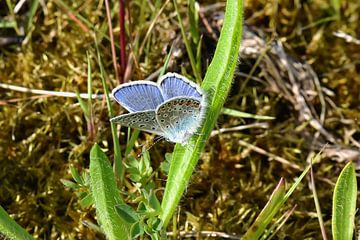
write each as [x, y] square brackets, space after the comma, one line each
[173, 108]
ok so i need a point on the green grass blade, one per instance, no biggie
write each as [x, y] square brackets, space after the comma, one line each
[12, 14]
[119, 169]
[10, 8]
[216, 84]
[297, 182]
[344, 204]
[267, 214]
[167, 61]
[276, 201]
[317, 205]
[131, 142]
[8, 24]
[84, 106]
[193, 13]
[239, 114]
[32, 12]
[187, 45]
[106, 196]
[336, 5]
[10, 228]
[198, 55]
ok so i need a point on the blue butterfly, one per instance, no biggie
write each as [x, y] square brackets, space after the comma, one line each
[172, 108]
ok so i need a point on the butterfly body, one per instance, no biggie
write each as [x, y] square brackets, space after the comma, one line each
[172, 108]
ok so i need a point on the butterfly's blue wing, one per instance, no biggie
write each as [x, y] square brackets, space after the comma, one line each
[145, 121]
[138, 96]
[179, 118]
[175, 85]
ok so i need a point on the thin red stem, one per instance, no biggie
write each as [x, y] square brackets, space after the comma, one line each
[113, 51]
[122, 38]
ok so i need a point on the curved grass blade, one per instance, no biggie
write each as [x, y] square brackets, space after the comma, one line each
[272, 207]
[106, 196]
[10, 228]
[216, 84]
[344, 204]
[277, 200]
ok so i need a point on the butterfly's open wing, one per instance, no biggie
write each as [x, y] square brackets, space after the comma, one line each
[175, 85]
[138, 96]
[145, 121]
[179, 118]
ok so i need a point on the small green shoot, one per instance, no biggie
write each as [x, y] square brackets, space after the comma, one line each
[13, 23]
[81, 186]
[145, 219]
[33, 8]
[139, 170]
[165, 165]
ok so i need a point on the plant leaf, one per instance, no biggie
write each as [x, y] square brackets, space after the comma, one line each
[10, 228]
[127, 213]
[154, 202]
[137, 230]
[344, 204]
[76, 176]
[86, 200]
[106, 196]
[69, 184]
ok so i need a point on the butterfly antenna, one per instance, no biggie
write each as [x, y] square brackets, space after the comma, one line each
[156, 140]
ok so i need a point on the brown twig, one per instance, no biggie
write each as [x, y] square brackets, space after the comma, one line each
[47, 92]
[207, 25]
[78, 22]
[187, 234]
[317, 203]
[270, 155]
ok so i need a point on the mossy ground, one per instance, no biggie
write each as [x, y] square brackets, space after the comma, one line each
[42, 135]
